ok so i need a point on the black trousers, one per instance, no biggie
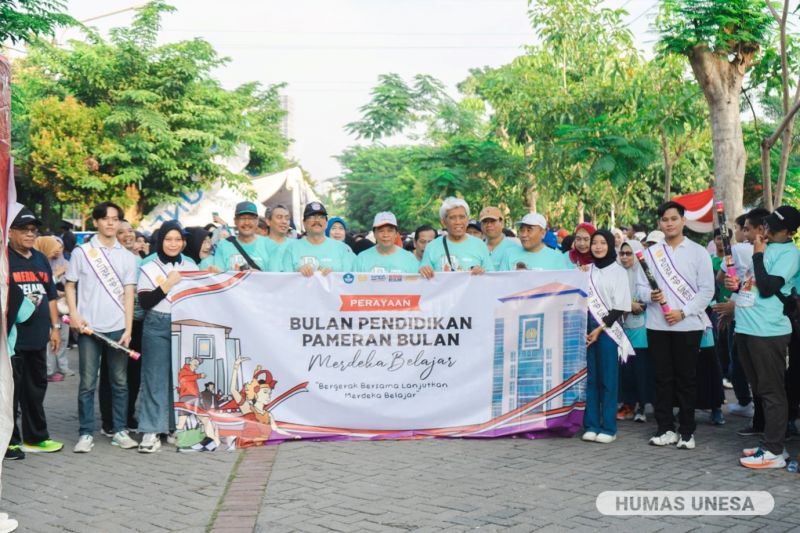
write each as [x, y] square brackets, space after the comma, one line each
[674, 355]
[764, 363]
[30, 387]
[134, 381]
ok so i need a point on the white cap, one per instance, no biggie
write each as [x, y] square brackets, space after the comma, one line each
[383, 218]
[533, 219]
[639, 235]
[655, 236]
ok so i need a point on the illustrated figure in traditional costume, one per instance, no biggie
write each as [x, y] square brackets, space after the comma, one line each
[253, 400]
[189, 393]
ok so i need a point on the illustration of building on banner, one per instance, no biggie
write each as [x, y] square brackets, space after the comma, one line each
[211, 344]
[539, 342]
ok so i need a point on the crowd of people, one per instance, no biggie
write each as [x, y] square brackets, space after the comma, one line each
[671, 323]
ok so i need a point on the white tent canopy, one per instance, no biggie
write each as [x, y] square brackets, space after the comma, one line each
[196, 208]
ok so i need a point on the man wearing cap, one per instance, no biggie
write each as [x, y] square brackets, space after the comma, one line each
[248, 250]
[386, 256]
[474, 229]
[653, 237]
[491, 219]
[534, 254]
[763, 331]
[456, 251]
[100, 284]
[30, 271]
[316, 252]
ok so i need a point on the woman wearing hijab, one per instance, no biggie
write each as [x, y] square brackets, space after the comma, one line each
[57, 362]
[580, 255]
[198, 246]
[637, 379]
[156, 278]
[609, 282]
[336, 229]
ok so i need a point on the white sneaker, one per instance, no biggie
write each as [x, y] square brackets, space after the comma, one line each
[172, 439]
[84, 444]
[726, 384]
[762, 460]
[7, 525]
[605, 438]
[589, 436]
[665, 439]
[151, 443]
[123, 440]
[686, 444]
[750, 452]
[742, 410]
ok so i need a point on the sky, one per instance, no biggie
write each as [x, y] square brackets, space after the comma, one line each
[331, 52]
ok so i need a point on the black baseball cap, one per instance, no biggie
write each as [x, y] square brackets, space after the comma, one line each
[785, 217]
[314, 208]
[25, 217]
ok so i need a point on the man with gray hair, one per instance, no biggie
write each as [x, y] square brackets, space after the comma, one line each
[456, 251]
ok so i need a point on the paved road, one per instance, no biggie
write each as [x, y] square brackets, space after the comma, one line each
[452, 485]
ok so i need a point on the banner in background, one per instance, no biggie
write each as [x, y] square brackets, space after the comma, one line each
[261, 357]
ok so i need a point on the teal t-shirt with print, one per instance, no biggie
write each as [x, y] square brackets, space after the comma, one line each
[399, 261]
[331, 254]
[276, 263]
[501, 251]
[464, 255]
[227, 257]
[765, 318]
[544, 259]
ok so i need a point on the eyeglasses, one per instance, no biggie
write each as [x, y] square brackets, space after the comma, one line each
[30, 231]
[625, 254]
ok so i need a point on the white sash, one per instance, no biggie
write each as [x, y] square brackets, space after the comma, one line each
[599, 310]
[104, 270]
[675, 281]
[155, 272]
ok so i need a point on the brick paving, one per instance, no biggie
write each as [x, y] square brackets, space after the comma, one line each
[425, 485]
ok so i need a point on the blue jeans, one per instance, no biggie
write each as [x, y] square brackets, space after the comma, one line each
[154, 409]
[90, 350]
[601, 384]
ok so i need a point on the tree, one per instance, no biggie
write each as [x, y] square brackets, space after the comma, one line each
[25, 20]
[721, 39]
[164, 122]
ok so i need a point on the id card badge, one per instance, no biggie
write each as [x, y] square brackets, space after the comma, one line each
[746, 299]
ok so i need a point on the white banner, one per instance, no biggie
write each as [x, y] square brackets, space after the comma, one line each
[265, 357]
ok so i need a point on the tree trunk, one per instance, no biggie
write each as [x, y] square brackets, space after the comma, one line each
[721, 82]
[668, 163]
[532, 193]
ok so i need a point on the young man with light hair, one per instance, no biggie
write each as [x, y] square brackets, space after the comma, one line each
[456, 251]
[534, 254]
[386, 256]
[101, 279]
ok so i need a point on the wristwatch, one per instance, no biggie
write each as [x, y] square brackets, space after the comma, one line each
[55, 326]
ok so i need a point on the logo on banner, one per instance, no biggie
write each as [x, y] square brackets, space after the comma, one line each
[380, 302]
[348, 278]
[530, 333]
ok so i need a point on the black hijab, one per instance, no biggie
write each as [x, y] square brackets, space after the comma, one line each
[195, 236]
[611, 255]
[165, 228]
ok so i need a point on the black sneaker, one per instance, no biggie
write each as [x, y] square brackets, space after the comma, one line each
[749, 431]
[14, 453]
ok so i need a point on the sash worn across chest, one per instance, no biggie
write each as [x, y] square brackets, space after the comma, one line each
[674, 280]
[599, 310]
[109, 279]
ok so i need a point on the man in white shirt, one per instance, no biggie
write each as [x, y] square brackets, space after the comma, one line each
[105, 274]
[685, 278]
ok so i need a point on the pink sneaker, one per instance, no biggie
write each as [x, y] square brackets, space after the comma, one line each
[56, 376]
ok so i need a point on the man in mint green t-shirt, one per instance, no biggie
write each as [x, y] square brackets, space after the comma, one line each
[260, 249]
[763, 332]
[534, 254]
[456, 251]
[386, 256]
[316, 252]
[492, 226]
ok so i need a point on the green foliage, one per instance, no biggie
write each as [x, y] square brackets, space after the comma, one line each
[25, 20]
[162, 121]
[724, 26]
